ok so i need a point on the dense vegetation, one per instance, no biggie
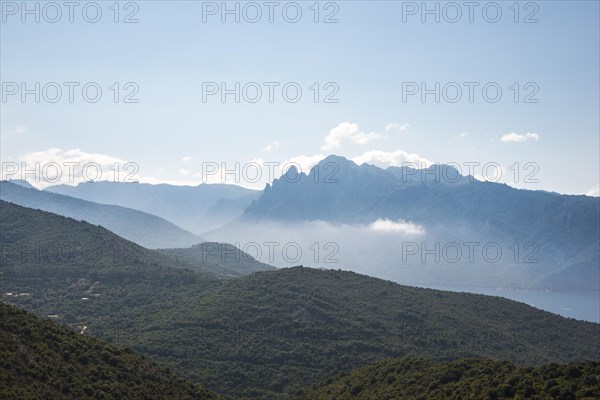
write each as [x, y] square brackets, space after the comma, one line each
[42, 360]
[416, 379]
[86, 275]
[267, 334]
[277, 332]
[37, 244]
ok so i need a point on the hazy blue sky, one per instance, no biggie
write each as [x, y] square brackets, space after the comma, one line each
[370, 56]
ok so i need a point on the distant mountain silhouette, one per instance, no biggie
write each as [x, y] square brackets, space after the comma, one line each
[558, 233]
[195, 208]
[142, 228]
[22, 182]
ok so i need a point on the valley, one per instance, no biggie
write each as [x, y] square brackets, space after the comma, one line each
[312, 200]
[268, 334]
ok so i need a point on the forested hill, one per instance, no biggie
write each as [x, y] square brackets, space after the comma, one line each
[273, 333]
[413, 379]
[42, 360]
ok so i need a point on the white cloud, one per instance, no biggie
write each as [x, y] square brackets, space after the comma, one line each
[400, 226]
[396, 127]
[56, 166]
[258, 160]
[364, 138]
[385, 159]
[78, 155]
[594, 191]
[516, 137]
[461, 135]
[17, 131]
[72, 156]
[347, 131]
[338, 134]
[184, 172]
[186, 159]
[272, 146]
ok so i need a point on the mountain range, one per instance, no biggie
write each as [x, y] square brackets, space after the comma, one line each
[266, 335]
[430, 227]
[195, 208]
[142, 228]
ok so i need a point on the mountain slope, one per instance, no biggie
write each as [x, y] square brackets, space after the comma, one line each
[267, 334]
[462, 379]
[195, 208]
[40, 359]
[144, 229]
[276, 332]
[37, 243]
[224, 254]
[543, 240]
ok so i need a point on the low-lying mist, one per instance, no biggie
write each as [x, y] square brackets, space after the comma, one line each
[401, 251]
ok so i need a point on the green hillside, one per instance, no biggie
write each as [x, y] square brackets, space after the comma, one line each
[415, 379]
[42, 360]
[269, 334]
[86, 275]
[233, 260]
[145, 229]
[277, 332]
[36, 242]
